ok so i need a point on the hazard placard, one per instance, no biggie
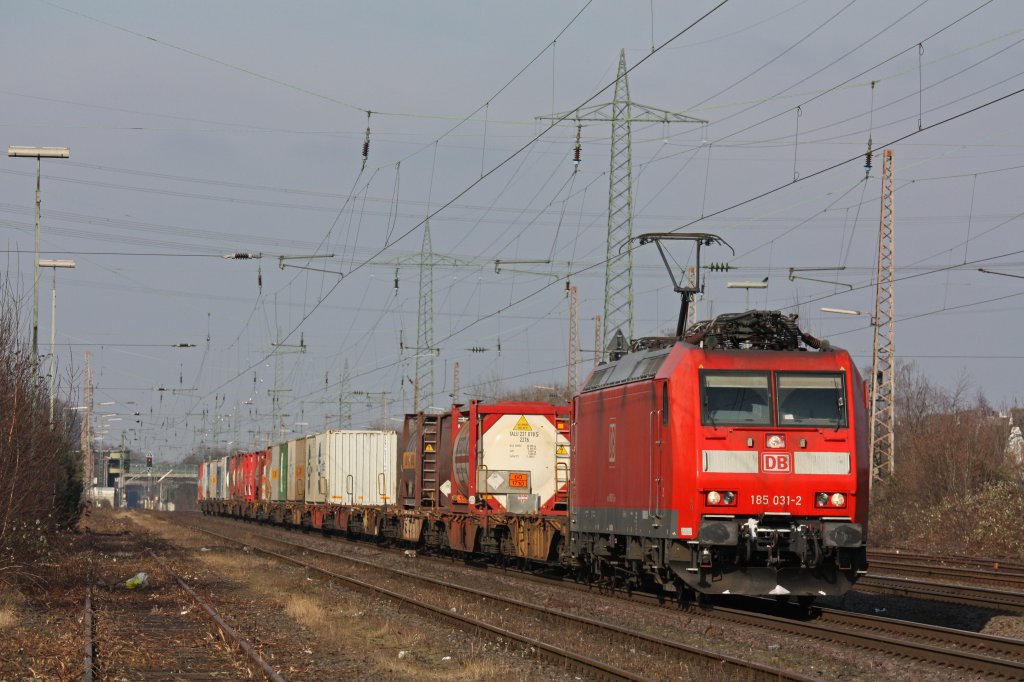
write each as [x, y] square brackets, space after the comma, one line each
[522, 425]
[561, 450]
[429, 447]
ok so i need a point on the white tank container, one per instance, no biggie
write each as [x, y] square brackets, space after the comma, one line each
[361, 467]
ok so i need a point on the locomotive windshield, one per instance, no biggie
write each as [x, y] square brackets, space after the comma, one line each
[810, 399]
[740, 398]
[735, 398]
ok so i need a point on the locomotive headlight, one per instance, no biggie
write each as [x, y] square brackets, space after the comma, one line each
[776, 441]
[714, 497]
[829, 500]
[728, 497]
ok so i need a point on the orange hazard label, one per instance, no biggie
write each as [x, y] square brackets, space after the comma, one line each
[518, 480]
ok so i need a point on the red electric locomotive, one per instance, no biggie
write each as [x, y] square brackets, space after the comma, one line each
[728, 460]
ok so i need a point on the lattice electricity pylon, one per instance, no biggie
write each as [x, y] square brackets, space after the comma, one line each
[618, 275]
[344, 401]
[574, 340]
[425, 350]
[883, 375]
[691, 311]
[279, 348]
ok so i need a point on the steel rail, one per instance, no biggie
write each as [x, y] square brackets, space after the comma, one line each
[981, 597]
[1005, 565]
[89, 659]
[1000, 646]
[831, 630]
[730, 664]
[1001, 578]
[228, 631]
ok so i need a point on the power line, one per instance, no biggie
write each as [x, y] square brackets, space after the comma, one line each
[467, 189]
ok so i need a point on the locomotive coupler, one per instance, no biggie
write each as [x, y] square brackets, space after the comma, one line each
[805, 542]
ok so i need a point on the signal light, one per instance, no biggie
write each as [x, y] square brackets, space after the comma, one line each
[149, 461]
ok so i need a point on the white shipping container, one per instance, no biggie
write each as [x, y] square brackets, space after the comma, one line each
[265, 477]
[361, 467]
[316, 468]
[223, 479]
[296, 482]
[275, 471]
[201, 482]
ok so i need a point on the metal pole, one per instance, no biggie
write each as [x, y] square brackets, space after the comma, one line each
[53, 340]
[35, 272]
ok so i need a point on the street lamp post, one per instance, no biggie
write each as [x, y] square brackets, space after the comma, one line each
[763, 284]
[39, 153]
[45, 263]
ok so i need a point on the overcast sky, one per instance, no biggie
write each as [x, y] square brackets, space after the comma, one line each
[198, 129]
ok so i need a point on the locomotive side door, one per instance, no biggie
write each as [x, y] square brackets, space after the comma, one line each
[657, 419]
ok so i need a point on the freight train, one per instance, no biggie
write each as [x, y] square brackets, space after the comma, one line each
[728, 460]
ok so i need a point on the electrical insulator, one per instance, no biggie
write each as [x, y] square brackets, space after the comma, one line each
[396, 281]
[867, 158]
[366, 141]
[576, 149]
[719, 267]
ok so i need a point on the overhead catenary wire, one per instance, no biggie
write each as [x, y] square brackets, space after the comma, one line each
[366, 196]
[473, 184]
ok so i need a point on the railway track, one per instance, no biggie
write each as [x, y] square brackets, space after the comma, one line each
[997, 566]
[926, 567]
[963, 650]
[597, 649]
[175, 634]
[948, 647]
[979, 597]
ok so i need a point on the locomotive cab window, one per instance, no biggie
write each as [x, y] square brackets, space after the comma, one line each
[735, 398]
[811, 399]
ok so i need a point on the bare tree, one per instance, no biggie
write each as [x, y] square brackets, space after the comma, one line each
[40, 469]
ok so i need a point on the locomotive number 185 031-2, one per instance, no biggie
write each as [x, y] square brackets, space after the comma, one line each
[794, 500]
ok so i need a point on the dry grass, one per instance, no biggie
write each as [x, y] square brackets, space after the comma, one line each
[8, 617]
[397, 647]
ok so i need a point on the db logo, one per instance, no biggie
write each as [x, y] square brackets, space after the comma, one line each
[776, 463]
